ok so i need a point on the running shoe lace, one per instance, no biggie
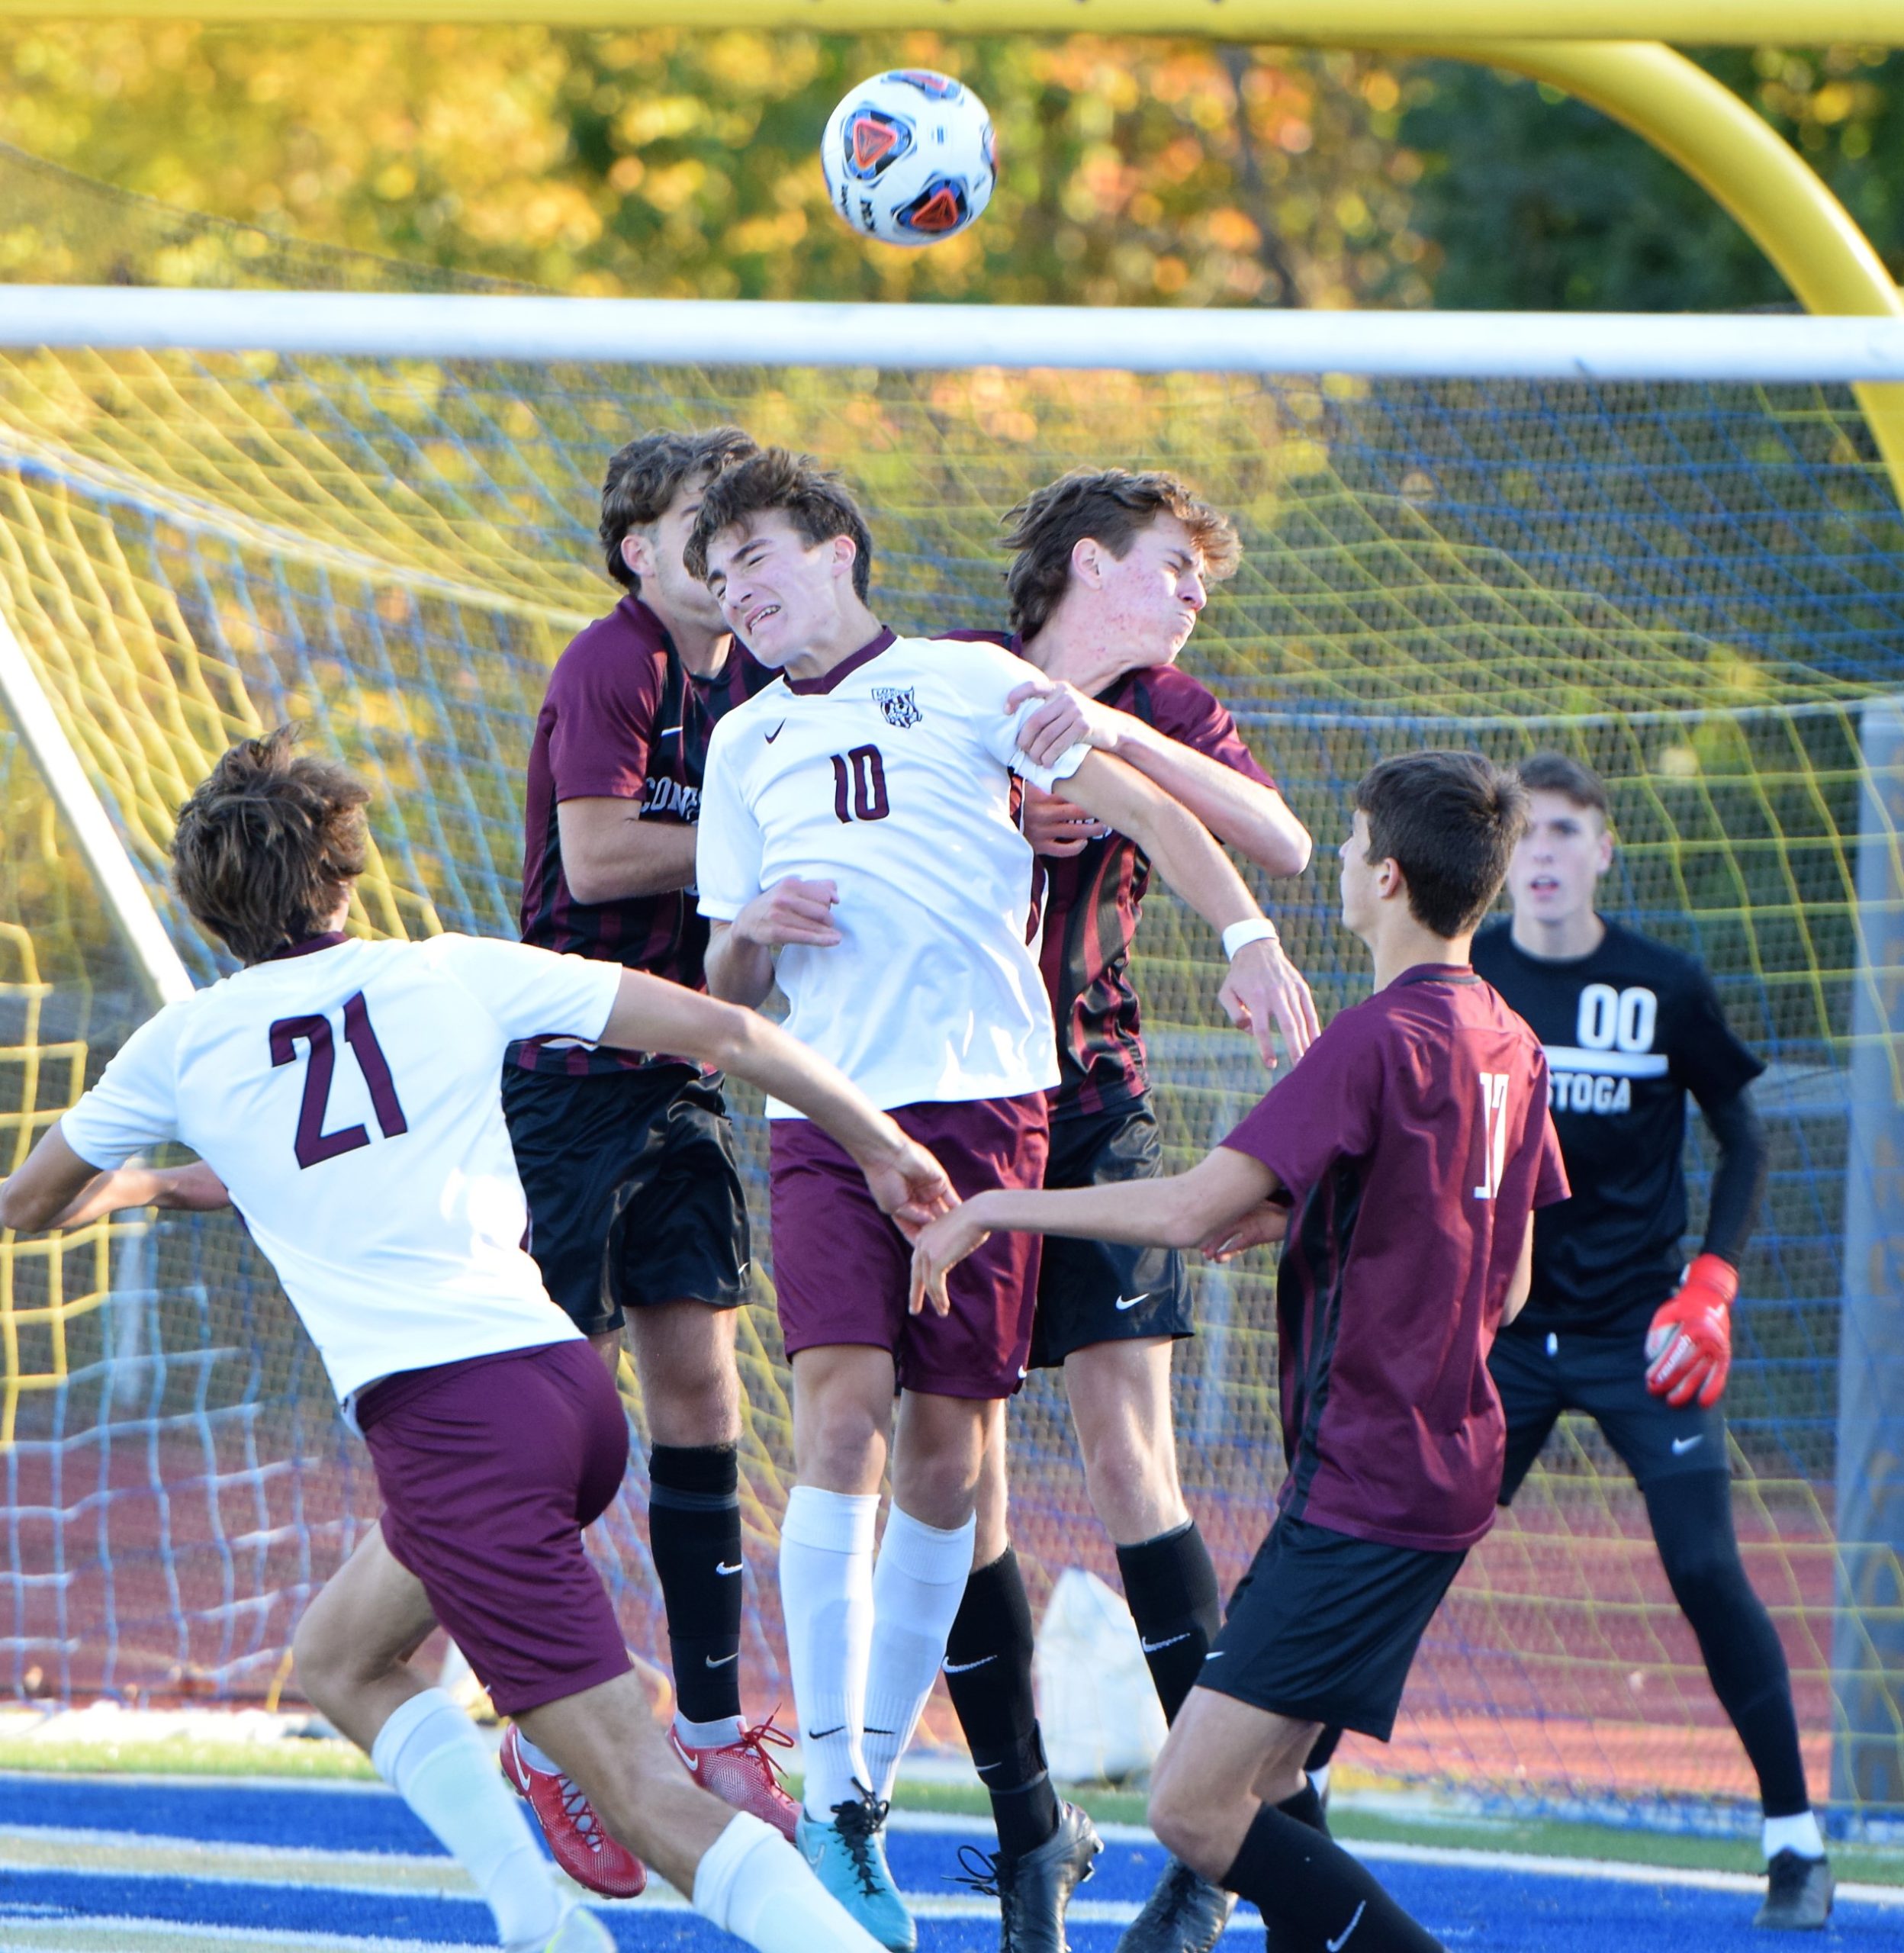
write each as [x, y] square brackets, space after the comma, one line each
[978, 1869]
[858, 1822]
[755, 1740]
[985, 1874]
[581, 1812]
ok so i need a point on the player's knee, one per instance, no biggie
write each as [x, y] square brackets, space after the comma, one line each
[842, 1450]
[1132, 1490]
[321, 1661]
[1180, 1821]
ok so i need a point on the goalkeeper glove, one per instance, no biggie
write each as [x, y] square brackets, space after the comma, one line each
[1689, 1347]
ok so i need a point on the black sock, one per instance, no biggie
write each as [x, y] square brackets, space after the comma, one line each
[1692, 1517]
[694, 1533]
[988, 1672]
[1312, 1894]
[1322, 1751]
[1171, 1584]
[1305, 1808]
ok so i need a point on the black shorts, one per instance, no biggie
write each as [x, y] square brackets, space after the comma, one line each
[1101, 1291]
[635, 1197]
[1541, 1373]
[1324, 1628]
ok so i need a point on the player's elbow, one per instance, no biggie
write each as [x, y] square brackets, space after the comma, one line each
[586, 884]
[1283, 850]
[22, 1209]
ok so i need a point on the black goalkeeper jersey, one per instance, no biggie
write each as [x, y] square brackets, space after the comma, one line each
[1628, 1031]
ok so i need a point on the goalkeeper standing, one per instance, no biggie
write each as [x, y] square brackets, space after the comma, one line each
[1613, 1325]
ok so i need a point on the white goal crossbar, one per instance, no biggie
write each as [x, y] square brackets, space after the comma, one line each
[705, 333]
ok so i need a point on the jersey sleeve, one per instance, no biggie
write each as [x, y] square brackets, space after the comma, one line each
[728, 844]
[1183, 708]
[531, 992]
[1706, 1055]
[1326, 1109]
[135, 1105]
[604, 709]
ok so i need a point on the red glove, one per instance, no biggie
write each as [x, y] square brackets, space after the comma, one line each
[1689, 1347]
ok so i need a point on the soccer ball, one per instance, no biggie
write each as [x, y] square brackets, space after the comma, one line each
[909, 157]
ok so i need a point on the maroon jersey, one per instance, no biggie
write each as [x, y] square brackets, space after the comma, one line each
[1414, 1137]
[1092, 901]
[623, 719]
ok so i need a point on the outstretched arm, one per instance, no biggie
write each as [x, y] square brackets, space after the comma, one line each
[1263, 986]
[1178, 1211]
[651, 1015]
[56, 1188]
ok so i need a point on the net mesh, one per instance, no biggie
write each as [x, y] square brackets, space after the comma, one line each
[1694, 588]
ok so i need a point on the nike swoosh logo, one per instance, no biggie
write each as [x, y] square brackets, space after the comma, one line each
[1337, 1945]
[966, 1667]
[1131, 1301]
[1683, 1445]
[820, 1735]
[667, 731]
[723, 1662]
[1157, 1647]
[718, 1567]
[776, 732]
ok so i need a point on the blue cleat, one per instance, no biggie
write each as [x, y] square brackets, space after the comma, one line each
[848, 1858]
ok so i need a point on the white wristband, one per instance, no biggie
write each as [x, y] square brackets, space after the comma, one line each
[1251, 929]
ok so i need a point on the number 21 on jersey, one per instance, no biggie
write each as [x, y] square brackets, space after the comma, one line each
[313, 1145]
[1494, 1133]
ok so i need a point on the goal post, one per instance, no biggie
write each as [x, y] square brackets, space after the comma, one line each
[377, 518]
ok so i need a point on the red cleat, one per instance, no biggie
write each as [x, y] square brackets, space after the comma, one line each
[742, 1774]
[583, 1848]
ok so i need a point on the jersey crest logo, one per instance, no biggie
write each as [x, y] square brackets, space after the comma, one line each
[899, 705]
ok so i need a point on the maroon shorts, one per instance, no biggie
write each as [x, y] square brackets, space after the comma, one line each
[841, 1269]
[490, 1469]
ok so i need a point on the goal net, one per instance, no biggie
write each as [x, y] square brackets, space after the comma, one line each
[1697, 587]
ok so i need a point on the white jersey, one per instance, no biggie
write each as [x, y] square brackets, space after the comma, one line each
[891, 777]
[349, 1096]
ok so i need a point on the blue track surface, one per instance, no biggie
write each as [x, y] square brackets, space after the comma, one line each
[1484, 1908]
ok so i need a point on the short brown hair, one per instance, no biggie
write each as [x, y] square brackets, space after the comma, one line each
[643, 477]
[813, 498]
[1112, 506]
[266, 845]
[1554, 773]
[1449, 821]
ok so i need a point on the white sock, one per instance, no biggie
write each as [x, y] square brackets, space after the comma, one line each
[716, 1734]
[750, 1882]
[1800, 1834]
[1319, 1781]
[428, 1752]
[826, 1599]
[917, 1588]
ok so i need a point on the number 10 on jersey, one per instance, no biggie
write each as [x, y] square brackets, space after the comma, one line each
[859, 786]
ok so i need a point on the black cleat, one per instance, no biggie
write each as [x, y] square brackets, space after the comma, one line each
[1033, 1891]
[1798, 1893]
[1185, 1914]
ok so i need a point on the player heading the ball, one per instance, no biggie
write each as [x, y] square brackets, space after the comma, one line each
[1414, 1142]
[347, 1094]
[858, 844]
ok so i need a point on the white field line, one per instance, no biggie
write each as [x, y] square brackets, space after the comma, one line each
[124, 1933]
[25, 1848]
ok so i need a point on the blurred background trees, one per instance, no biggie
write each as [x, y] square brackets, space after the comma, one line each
[1138, 171]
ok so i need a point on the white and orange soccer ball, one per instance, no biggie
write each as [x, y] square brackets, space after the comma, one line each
[909, 157]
